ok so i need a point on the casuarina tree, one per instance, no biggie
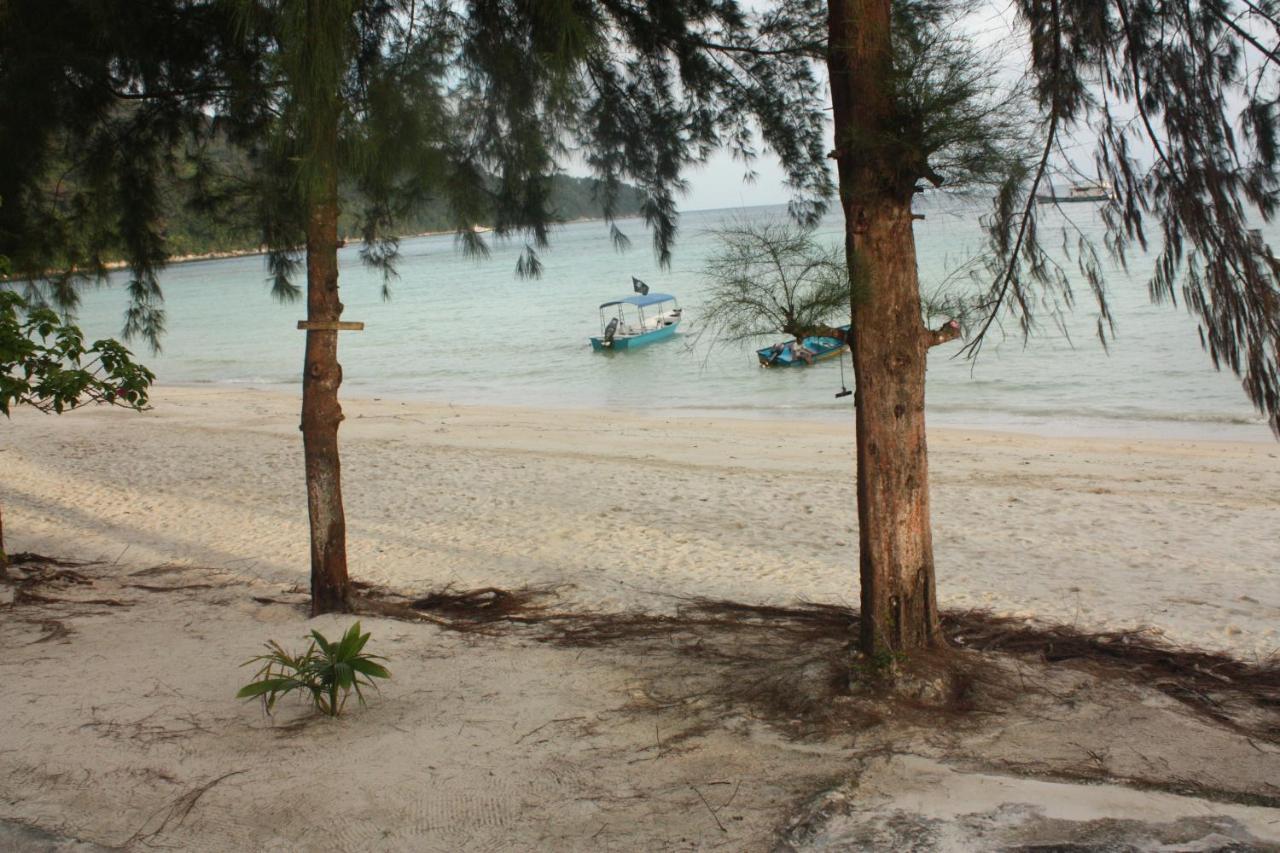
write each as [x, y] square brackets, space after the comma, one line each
[480, 104]
[1182, 96]
[477, 103]
[1181, 99]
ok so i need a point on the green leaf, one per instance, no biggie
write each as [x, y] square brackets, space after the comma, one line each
[369, 668]
[351, 642]
[343, 675]
[269, 685]
[328, 671]
[325, 645]
[359, 644]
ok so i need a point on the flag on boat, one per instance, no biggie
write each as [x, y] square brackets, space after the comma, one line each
[639, 286]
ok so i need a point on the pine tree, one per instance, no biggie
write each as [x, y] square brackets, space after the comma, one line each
[1194, 80]
[477, 103]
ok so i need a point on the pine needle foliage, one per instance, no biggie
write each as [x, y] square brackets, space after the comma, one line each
[773, 278]
[952, 120]
[475, 104]
[1182, 96]
[103, 91]
[955, 124]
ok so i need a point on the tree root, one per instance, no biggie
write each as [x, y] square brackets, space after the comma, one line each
[794, 663]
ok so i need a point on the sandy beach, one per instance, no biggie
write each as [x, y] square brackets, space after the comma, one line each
[624, 511]
[122, 731]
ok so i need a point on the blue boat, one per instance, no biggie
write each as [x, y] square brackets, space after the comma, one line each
[634, 321]
[811, 349]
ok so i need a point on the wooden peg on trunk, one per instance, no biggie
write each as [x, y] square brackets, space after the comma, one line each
[330, 326]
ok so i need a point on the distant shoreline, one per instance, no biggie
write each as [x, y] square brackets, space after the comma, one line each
[1083, 427]
[196, 257]
[221, 255]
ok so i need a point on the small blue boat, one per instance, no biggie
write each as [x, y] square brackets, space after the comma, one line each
[634, 321]
[806, 352]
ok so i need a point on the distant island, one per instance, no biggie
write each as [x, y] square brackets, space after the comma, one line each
[202, 211]
[194, 233]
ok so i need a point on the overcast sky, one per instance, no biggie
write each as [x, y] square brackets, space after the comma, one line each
[719, 184]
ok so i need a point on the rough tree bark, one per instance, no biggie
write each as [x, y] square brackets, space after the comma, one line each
[889, 340]
[322, 374]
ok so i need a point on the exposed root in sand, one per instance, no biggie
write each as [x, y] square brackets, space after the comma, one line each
[719, 716]
[38, 570]
[173, 815]
[791, 665]
[787, 665]
[48, 583]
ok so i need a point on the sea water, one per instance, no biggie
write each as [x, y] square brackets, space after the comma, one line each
[465, 330]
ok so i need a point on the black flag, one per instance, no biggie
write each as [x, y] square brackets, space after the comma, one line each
[640, 287]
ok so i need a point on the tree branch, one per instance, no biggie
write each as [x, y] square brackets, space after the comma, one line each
[945, 333]
[800, 49]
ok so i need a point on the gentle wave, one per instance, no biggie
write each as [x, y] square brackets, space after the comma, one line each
[1136, 415]
[1141, 415]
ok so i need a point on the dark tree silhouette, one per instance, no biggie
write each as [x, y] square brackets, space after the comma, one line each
[476, 103]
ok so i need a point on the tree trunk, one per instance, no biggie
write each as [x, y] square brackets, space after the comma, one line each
[899, 605]
[4, 557]
[889, 341]
[321, 376]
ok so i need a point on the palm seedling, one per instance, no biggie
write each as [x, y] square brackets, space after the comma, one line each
[328, 671]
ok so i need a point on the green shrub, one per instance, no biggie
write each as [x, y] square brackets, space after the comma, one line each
[327, 671]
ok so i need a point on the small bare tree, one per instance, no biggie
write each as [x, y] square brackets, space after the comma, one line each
[774, 278]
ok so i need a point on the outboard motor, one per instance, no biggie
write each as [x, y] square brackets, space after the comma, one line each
[610, 330]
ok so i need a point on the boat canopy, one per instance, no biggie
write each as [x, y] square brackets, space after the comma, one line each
[641, 301]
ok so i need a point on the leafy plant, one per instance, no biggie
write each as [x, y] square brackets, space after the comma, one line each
[328, 671]
[45, 363]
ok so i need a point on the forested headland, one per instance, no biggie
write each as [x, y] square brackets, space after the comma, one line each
[195, 229]
[203, 211]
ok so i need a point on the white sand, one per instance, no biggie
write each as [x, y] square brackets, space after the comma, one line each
[119, 727]
[624, 511]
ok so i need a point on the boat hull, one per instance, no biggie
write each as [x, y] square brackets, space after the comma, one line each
[820, 349]
[622, 342]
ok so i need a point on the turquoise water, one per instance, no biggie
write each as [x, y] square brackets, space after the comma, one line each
[470, 331]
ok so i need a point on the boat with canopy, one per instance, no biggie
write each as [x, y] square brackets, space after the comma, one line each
[635, 321]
